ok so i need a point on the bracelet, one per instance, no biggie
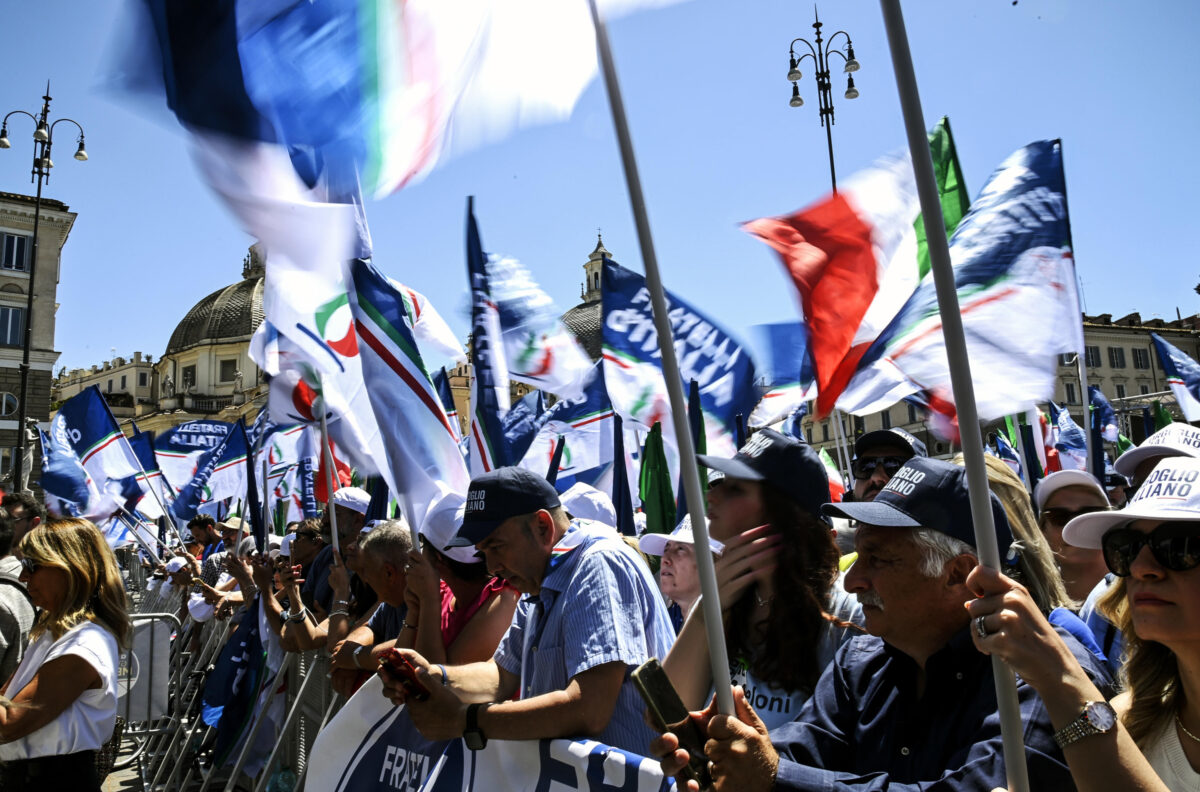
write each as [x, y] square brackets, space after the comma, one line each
[300, 615]
[342, 602]
[339, 612]
[404, 625]
[284, 615]
[445, 678]
[355, 655]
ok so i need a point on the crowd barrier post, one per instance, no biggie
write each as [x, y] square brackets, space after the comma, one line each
[259, 718]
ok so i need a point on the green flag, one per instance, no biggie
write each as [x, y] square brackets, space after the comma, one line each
[1123, 444]
[1162, 416]
[654, 485]
[952, 189]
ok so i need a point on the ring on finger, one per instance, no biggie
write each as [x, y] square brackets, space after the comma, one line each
[981, 627]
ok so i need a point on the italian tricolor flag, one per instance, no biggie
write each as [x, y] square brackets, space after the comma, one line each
[837, 488]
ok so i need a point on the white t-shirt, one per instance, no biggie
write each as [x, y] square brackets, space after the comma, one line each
[1166, 756]
[88, 722]
[776, 706]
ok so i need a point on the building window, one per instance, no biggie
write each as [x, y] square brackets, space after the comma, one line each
[1120, 391]
[824, 431]
[6, 457]
[1091, 355]
[808, 434]
[1141, 358]
[122, 382]
[885, 419]
[1070, 387]
[1116, 357]
[912, 414]
[187, 377]
[110, 386]
[8, 404]
[143, 379]
[16, 253]
[1145, 389]
[12, 326]
[229, 370]
[1067, 359]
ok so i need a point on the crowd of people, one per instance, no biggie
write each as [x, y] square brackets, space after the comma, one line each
[858, 633]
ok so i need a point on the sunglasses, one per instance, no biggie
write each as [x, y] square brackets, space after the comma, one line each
[1174, 545]
[865, 468]
[30, 565]
[1060, 517]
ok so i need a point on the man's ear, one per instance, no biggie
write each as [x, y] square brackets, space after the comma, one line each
[959, 567]
[545, 526]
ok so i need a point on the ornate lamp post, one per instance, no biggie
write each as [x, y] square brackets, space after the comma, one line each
[820, 52]
[43, 141]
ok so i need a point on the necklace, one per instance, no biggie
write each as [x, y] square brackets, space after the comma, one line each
[762, 603]
[1185, 728]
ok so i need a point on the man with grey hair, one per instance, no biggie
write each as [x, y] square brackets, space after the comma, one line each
[912, 704]
[383, 550]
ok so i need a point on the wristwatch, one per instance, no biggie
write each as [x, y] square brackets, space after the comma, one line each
[1097, 718]
[473, 735]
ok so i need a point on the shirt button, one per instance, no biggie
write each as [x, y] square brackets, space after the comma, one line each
[904, 751]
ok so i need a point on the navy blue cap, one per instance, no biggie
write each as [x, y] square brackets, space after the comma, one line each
[784, 462]
[926, 493]
[890, 437]
[495, 497]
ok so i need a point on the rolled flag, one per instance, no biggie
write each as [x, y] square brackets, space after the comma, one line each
[837, 487]
[489, 387]
[1183, 375]
[538, 347]
[441, 382]
[655, 487]
[1103, 415]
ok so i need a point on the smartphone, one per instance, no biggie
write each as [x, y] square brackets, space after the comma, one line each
[669, 715]
[399, 667]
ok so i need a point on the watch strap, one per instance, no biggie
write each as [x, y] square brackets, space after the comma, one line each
[1079, 728]
[473, 736]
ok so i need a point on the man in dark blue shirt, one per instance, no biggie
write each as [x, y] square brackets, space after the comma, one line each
[912, 704]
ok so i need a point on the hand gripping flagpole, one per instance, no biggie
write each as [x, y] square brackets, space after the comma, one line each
[689, 470]
[960, 369]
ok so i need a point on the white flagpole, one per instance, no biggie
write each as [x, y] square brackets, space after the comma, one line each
[844, 455]
[689, 469]
[960, 368]
[137, 537]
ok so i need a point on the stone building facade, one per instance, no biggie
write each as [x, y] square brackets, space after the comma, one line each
[16, 263]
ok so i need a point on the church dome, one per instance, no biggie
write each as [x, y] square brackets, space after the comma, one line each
[584, 322]
[229, 314]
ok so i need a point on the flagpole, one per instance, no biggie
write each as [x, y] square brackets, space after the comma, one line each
[327, 455]
[136, 536]
[1086, 399]
[843, 445]
[960, 369]
[1021, 453]
[689, 470]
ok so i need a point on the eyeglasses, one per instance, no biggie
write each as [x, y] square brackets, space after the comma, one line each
[1174, 545]
[30, 565]
[865, 468]
[1060, 517]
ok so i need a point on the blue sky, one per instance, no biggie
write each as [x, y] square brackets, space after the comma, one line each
[705, 89]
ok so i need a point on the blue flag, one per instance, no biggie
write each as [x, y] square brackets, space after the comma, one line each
[622, 495]
[1103, 416]
[522, 423]
[722, 368]
[1070, 440]
[231, 690]
[64, 480]
[579, 431]
[441, 382]
[258, 524]
[200, 490]
[489, 389]
[1008, 454]
[1183, 375]
[86, 424]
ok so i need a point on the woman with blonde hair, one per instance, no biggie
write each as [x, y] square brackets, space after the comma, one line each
[64, 694]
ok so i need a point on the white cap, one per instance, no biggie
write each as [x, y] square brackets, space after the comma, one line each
[353, 498]
[441, 525]
[589, 503]
[285, 546]
[175, 564]
[1176, 439]
[1066, 478]
[655, 544]
[1170, 492]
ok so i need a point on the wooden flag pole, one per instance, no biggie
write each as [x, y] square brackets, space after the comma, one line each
[960, 369]
[689, 469]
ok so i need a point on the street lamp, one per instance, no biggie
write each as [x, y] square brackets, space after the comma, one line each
[821, 56]
[43, 142]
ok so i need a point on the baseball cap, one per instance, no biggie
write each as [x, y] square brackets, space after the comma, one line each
[233, 524]
[353, 498]
[496, 496]
[1177, 439]
[441, 524]
[175, 564]
[784, 462]
[589, 503]
[926, 493]
[285, 546]
[656, 543]
[1066, 478]
[1170, 492]
[890, 437]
